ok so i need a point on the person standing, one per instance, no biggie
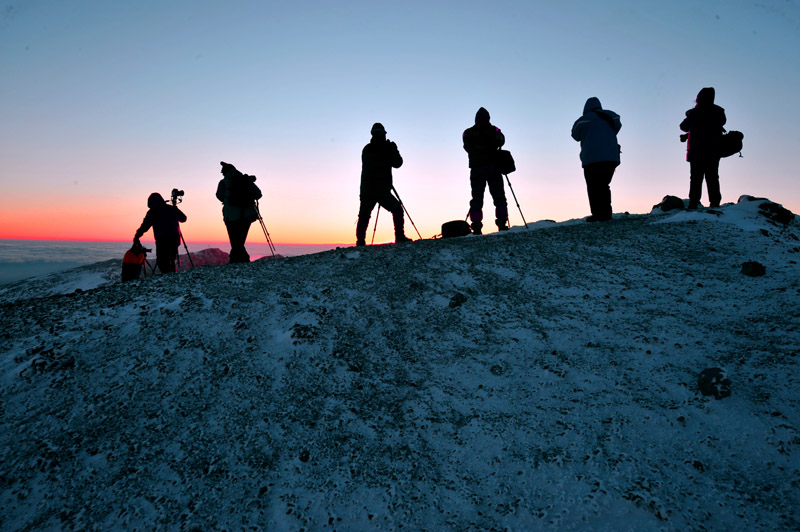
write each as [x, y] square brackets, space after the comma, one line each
[377, 160]
[482, 142]
[597, 132]
[703, 125]
[164, 220]
[238, 193]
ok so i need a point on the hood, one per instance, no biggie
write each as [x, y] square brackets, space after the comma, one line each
[155, 200]
[706, 96]
[592, 104]
[482, 116]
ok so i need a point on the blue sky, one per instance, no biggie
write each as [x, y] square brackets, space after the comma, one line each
[105, 102]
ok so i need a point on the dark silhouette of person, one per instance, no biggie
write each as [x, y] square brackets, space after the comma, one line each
[703, 125]
[597, 132]
[482, 142]
[164, 219]
[377, 160]
[238, 193]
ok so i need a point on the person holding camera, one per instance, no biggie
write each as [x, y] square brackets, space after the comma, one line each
[238, 193]
[164, 220]
[703, 127]
[482, 142]
[377, 160]
[597, 130]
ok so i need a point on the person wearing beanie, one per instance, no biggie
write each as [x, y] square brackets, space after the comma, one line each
[703, 125]
[377, 160]
[164, 220]
[238, 193]
[482, 142]
[597, 132]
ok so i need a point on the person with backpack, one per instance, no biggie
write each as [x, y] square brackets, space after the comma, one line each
[703, 125]
[238, 194]
[482, 143]
[597, 130]
[164, 219]
[377, 160]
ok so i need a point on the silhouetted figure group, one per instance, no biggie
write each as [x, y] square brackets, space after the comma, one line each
[596, 130]
[164, 219]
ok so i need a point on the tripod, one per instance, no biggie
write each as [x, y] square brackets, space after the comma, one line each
[177, 197]
[515, 201]
[264, 228]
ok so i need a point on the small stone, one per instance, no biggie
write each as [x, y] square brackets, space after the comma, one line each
[753, 269]
[714, 382]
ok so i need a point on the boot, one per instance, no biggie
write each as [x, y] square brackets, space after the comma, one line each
[502, 224]
[361, 231]
[400, 238]
[476, 228]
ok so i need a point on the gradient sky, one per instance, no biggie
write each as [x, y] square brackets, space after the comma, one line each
[105, 102]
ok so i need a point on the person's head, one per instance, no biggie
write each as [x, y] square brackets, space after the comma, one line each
[592, 104]
[378, 131]
[228, 170]
[155, 200]
[705, 96]
[482, 117]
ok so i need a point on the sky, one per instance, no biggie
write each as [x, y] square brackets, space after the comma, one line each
[106, 102]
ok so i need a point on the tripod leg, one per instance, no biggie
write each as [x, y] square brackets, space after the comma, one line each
[376, 225]
[515, 201]
[187, 250]
[406, 211]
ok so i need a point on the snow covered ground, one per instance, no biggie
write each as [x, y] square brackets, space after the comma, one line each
[541, 379]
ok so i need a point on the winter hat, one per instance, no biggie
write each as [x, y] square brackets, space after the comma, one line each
[377, 128]
[228, 169]
[482, 116]
[155, 200]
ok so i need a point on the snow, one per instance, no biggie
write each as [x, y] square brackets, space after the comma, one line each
[540, 379]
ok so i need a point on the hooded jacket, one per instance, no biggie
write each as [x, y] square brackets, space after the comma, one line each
[597, 132]
[238, 193]
[163, 218]
[704, 125]
[377, 160]
[482, 140]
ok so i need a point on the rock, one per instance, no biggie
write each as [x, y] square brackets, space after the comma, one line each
[457, 300]
[671, 203]
[776, 213]
[754, 269]
[714, 382]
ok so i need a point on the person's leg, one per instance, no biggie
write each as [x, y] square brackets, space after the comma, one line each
[391, 204]
[590, 175]
[603, 190]
[712, 183]
[477, 181]
[364, 214]
[498, 193]
[696, 172]
[167, 253]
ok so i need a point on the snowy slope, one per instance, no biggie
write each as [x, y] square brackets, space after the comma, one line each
[532, 380]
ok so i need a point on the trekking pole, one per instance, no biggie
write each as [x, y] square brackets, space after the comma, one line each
[264, 228]
[406, 211]
[515, 200]
[376, 225]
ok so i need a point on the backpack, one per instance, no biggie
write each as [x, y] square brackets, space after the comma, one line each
[239, 191]
[731, 143]
[455, 228]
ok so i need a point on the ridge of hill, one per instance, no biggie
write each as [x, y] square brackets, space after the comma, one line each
[529, 380]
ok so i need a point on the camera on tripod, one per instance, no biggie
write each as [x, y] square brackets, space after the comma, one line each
[177, 196]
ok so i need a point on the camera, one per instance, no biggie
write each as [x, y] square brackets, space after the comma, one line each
[684, 137]
[177, 196]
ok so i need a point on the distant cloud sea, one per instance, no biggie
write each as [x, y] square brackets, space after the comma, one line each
[22, 259]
